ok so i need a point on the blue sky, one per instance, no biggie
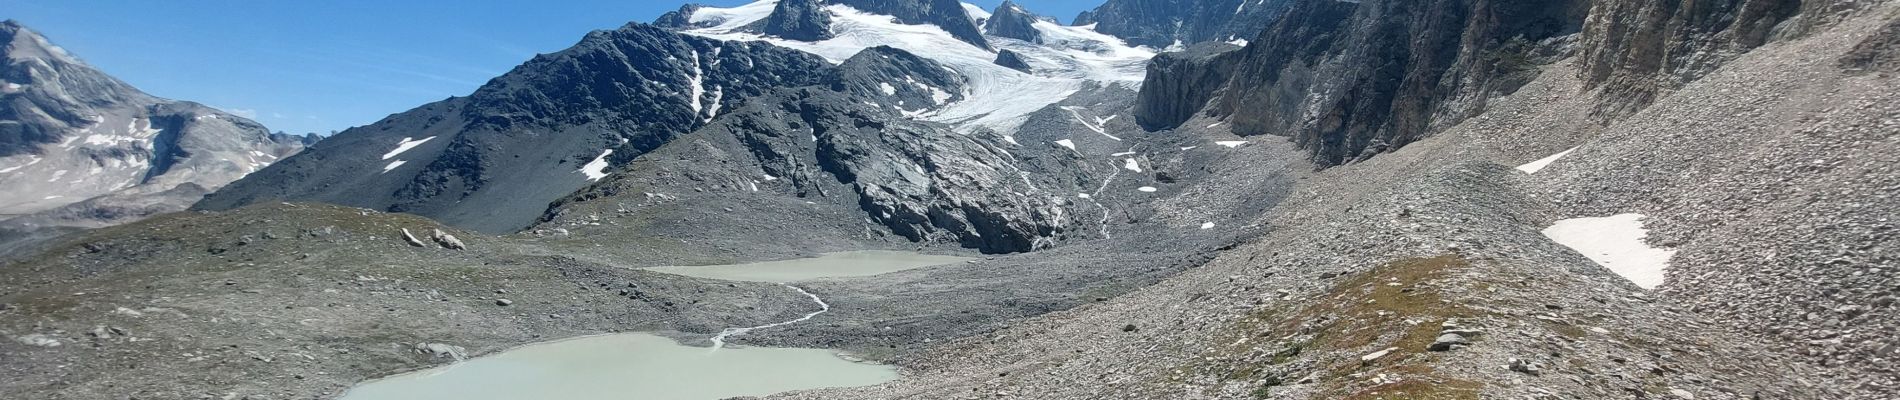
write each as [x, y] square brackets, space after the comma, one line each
[317, 66]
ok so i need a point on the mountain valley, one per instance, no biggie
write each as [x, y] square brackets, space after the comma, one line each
[1220, 199]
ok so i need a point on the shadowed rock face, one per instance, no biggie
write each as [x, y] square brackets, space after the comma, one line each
[1644, 48]
[70, 133]
[1011, 60]
[1163, 23]
[1175, 87]
[1350, 80]
[493, 160]
[798, 20]
[1012, 21]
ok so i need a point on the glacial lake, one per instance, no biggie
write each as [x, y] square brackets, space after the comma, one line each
[627, 366]
[641, 366]
[829, 265]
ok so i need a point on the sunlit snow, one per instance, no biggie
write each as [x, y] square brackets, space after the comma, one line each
[597, 168]
[1534, 166]
[1615, 242]
[403, 146]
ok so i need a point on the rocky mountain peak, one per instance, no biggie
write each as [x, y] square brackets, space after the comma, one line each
[24, 43]
[798, 20]
[81, 148]
[1011, 20]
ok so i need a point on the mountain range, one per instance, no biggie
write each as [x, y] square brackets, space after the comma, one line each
[80, 149]
[1164, 199]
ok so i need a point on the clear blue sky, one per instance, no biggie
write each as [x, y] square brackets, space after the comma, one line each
[316, 66]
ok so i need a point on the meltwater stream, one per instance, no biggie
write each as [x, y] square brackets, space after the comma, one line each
[649, 367]
[719, 340]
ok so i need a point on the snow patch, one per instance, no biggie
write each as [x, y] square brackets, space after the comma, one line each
[887, 88]
[1534, 166]
[1207, 225]
[1231, 143]
[1131, 165]
[403, 146]
[392, 165]
[1064, 143]
[597, 168]
[1615, 242]
[1147, 189]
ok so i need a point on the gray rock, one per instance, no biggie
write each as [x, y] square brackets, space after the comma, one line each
[411, 238]
[37, 339]
[1447, 342]
[504, 302]
[1524, 367]
[446, 240]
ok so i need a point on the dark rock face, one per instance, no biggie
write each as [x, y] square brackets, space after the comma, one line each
[1175, 87]
[1162, 23]
[493, 160]
[898, 79]
[1011, 60]
[1640, 49]
[79, 148]
[798, 20]
[917, 179]
[948, 14]
[1350, 80]
[1012, 21]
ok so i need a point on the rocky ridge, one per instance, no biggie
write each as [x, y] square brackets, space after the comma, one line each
[493, 160]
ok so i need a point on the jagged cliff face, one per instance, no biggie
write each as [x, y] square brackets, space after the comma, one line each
[69, 133]
[493, 160]
[1638, 50]
[1169, 23]
[1349, 80]
[1176, 86]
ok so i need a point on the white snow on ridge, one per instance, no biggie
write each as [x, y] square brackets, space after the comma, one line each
[996, 98]
[726, 19]
[404, 145]
[1615, 242]
[597, 168]
[1534, 166]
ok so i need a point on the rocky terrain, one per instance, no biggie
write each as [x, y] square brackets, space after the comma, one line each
[1324, 207]
[80, 149]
